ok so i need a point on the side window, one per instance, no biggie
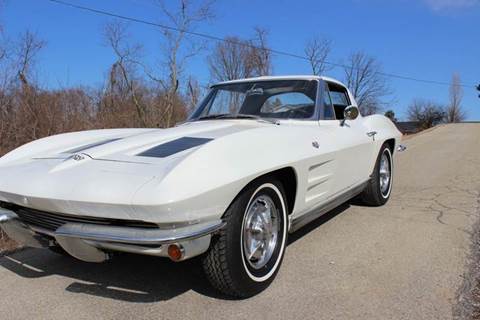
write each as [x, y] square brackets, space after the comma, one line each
[339, 98]
[328, 113]
[289, 105]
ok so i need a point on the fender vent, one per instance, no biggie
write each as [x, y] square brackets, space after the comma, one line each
[174, 146]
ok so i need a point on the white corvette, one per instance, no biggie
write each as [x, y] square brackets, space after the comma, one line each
[257, 159]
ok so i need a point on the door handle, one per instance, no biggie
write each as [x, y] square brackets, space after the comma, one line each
[372, 134]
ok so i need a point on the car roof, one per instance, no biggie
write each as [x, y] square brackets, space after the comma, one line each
[291, 77]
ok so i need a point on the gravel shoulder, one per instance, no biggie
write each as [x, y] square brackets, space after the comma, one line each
[406, 260]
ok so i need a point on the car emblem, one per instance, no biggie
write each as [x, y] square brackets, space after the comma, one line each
[78, 157]
[315, 144]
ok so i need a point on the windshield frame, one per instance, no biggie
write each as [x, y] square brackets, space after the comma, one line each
[196, 114]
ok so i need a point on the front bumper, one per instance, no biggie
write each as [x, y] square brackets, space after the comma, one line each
[91, 242]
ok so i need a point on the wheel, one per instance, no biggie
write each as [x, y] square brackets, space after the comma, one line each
[246, 256]
[379, 187]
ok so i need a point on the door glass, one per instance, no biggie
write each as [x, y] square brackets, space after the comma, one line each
[288, 105]
[340, 100]
[328, 113]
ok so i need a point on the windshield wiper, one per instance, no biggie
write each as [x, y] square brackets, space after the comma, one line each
[236, 116]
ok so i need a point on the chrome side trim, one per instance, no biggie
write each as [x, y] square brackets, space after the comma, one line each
[315, 213]
[137, 236]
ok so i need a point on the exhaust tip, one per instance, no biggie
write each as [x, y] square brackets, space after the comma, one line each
[176, 252]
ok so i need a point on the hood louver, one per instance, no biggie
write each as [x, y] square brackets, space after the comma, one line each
[173, 147]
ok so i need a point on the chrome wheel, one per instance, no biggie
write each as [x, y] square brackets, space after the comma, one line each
[385, 173]
[260, 231]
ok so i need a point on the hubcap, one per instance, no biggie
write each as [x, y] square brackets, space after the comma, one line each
[260, 231]
[385, 174]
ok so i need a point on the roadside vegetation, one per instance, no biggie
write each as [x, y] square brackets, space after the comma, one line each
[136, 94]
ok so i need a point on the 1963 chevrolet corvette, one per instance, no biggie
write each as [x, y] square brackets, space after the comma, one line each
[257, 159]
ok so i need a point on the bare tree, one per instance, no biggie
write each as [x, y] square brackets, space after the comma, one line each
[194, 93]
[367, 84]
[122, 80]
[259, 55]
[426, 113]
[30, 115]
[228, 60]
[317, 51]
[157, 92]
[3, 49]
[184, 17]
[235, 58]
[27, 48]
[455, 112]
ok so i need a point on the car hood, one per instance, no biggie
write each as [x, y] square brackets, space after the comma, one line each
[151, 146]
[81, 174]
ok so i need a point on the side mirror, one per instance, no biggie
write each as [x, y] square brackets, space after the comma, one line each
[350, 113]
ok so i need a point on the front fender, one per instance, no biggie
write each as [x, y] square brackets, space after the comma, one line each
[204, 183]
[385, 130]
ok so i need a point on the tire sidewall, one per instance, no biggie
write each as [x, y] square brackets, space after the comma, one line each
[390, 159]
[379, 198]
[242, 276]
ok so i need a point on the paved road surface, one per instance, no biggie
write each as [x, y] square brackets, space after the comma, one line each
[402, 261]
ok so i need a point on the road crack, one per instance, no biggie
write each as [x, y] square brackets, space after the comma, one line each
[468, 295]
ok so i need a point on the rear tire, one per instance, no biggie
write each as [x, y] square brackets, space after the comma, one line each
[379, 187]
[245, 257]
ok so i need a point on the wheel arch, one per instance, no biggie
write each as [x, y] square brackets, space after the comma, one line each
[391, 144]
[288, 177]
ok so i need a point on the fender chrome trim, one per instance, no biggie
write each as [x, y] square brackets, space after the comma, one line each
[137, 236]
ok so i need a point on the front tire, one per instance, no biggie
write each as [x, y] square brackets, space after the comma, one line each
[246, 256]
[379, 187]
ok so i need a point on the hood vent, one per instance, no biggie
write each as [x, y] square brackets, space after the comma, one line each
[174, 146]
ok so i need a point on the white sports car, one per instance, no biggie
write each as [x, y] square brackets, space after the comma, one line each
[257, 159]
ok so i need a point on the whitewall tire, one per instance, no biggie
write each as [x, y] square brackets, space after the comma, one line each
[245, 257]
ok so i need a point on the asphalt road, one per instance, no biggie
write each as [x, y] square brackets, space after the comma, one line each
[405, 260]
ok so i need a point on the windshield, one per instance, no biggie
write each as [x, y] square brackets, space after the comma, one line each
[278, 99]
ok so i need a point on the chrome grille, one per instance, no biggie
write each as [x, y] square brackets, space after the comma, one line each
[52, 221]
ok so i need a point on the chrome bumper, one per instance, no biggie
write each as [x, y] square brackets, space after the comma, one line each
[89, 242]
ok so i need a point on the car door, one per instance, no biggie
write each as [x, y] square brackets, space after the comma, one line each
[352, 142]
